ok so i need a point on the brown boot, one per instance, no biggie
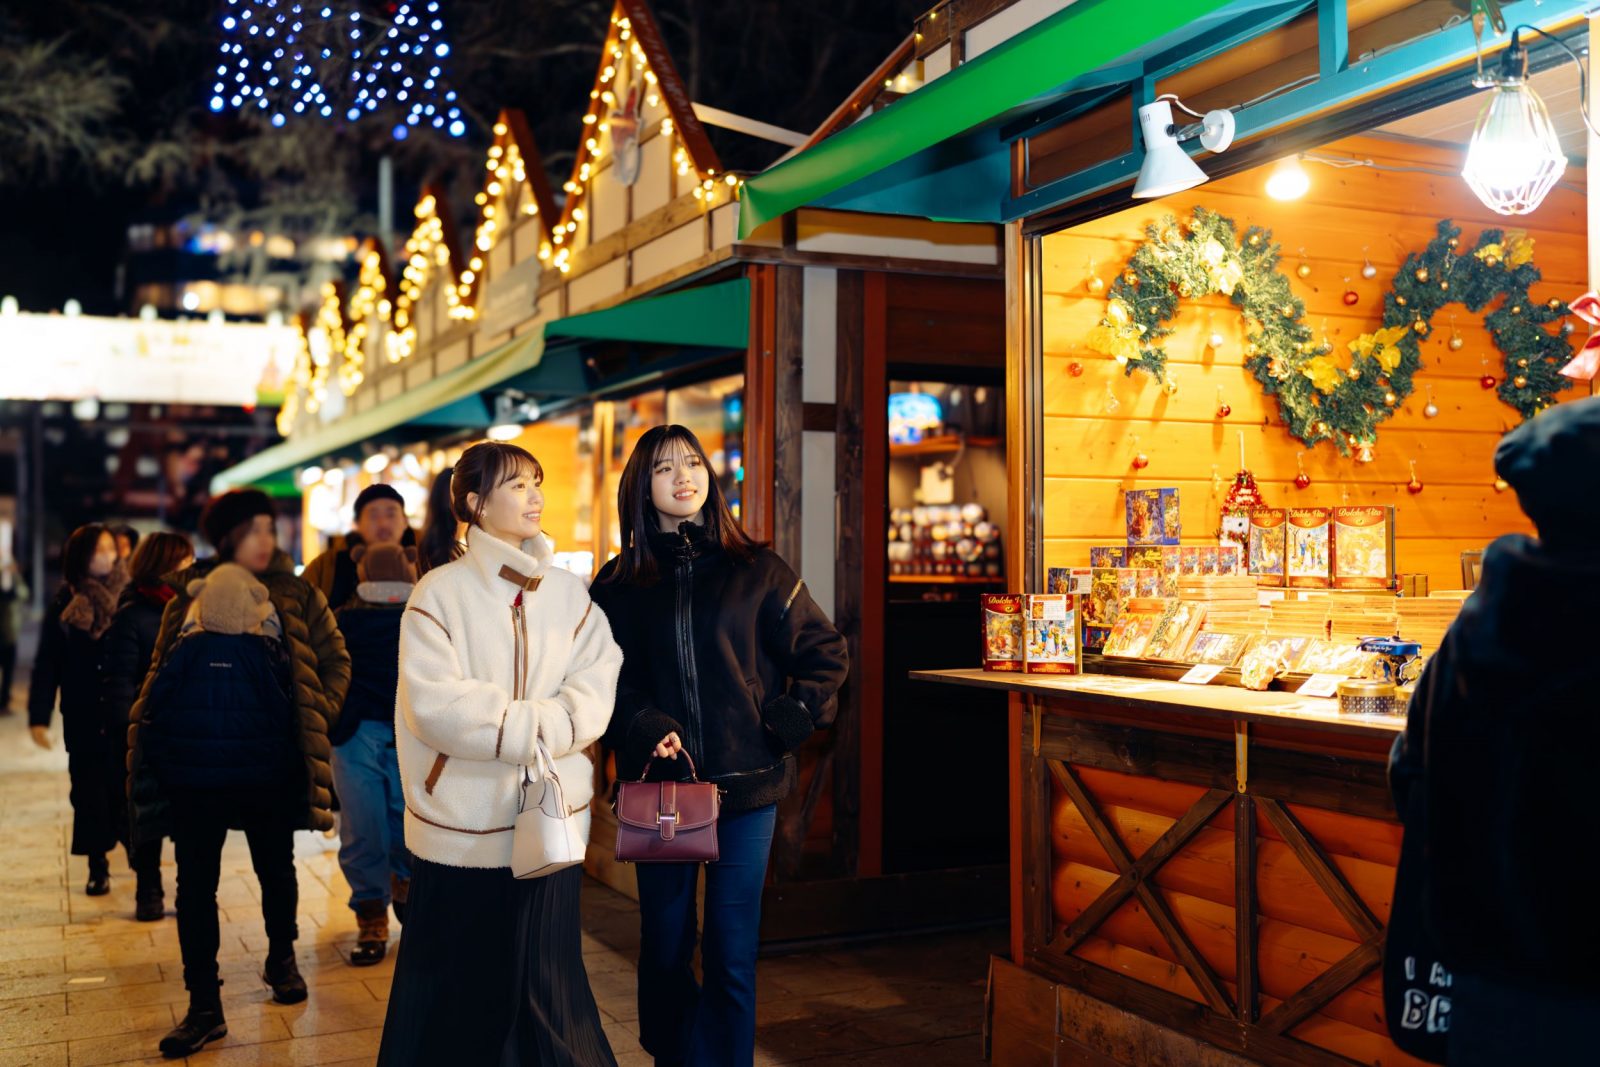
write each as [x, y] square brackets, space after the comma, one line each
[372, 940]
[400, 894]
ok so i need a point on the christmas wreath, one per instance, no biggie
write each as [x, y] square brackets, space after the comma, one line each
[1172, 265]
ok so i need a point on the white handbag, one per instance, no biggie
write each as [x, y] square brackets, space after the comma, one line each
[545, 838]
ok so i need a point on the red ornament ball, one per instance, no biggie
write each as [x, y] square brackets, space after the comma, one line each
[1413, 487]
[1223, 411]
[1141, 461]
[1075, 369]
[1488, 381]
[1302, 480]
[1351, 297]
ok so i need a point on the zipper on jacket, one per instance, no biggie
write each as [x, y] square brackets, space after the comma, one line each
[687, 674]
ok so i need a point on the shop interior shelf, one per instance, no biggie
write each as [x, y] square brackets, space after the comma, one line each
[942, 579]
[934, 446]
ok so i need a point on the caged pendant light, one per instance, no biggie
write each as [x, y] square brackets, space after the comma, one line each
[1514, 157]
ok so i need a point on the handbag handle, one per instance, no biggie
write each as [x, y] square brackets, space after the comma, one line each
[693, 774]
[547, 774]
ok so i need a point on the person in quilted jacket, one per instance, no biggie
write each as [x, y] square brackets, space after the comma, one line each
[315, 676]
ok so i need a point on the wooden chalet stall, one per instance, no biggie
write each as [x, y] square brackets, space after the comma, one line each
[1203, 873]
[573, 319]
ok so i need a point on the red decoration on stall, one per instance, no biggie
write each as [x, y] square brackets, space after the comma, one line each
[1351, 297]
[1586, 365]
[1075, 369]
[1488, 381]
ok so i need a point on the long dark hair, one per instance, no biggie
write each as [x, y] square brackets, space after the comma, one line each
[482, 469]
[639, 517]
[438, 544]
[79, 552]
[158, 556]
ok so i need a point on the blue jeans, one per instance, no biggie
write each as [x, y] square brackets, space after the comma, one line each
[372, 837]
[679, 1021]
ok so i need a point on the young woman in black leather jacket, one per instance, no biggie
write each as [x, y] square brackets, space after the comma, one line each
[728, 659]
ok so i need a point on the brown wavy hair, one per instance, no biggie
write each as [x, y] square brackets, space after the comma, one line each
[636, 565]
[482, 469]
[158, 556]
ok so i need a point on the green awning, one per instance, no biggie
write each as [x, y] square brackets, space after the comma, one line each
[957, 167]
[709, 316]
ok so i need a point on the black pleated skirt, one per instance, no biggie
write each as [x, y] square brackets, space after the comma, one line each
[490, 972]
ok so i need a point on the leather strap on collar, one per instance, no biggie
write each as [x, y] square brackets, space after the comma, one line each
[520, 580]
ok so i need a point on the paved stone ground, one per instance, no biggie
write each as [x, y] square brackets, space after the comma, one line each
[82, 984]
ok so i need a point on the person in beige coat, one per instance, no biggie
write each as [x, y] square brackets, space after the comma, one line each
[501, 655]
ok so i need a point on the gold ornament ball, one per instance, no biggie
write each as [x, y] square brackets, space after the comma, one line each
[1520, 382]
[1457, 343]
[1422, 274]
[1254, 239]
[1355, 373]
[1501, 485]
[1129, 276]
[1554, 303]
[1171, 386]
[1522, 363]
[1320, 428]
[1444, 285]
[1453, 242]
[1516, 309]
[1420, 326]
[1097, 285]
[1304, 270]
[1288, 312]
[1400, 300]
[1491, 261]
[1390, 399]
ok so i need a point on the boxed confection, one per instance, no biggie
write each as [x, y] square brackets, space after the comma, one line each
[1268, 544]
[1363, 547]
[1152, 516]
[1002, 631]
[1051, 635]
[1310, 562]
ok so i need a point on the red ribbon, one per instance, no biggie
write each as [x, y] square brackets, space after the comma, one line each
[1586, 365]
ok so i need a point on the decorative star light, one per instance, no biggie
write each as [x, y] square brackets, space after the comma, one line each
[286, 58]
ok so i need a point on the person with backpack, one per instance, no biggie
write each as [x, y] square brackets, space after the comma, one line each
[380, 513]
[366, 769]
[236, 755]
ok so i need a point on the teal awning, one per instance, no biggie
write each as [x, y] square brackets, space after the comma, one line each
[709, 316]
[938, 151]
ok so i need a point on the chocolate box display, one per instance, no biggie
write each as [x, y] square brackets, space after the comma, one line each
[1268, 545]
[1152, 516]
[1002, 631]
[1363, 547]
[1309, 563]
[1051, 643]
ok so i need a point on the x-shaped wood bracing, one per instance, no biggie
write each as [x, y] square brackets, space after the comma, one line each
[1136, 877]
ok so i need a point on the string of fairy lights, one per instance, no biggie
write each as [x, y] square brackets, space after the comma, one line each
[285, 59]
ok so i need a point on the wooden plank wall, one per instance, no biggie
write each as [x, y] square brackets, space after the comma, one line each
[1348, 215]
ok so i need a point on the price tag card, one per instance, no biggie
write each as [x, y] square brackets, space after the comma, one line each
[1321, 685]
[1201, 674]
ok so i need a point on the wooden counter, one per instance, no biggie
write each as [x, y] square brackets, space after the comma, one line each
[1200, 875]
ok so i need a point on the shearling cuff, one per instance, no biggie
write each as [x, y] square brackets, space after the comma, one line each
[788, 720]
[645, 733]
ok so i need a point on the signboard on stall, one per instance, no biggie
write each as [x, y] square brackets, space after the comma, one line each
[61, 357]
[510, 298]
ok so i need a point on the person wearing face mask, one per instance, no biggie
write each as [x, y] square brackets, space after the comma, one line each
[380, 513]
[730, 661]
[71, 644]
[505, 664]
[239, 524]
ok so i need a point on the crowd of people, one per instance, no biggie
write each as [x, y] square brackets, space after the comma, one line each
[419, 685]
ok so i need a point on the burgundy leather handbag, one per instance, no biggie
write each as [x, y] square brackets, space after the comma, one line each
[667, 822]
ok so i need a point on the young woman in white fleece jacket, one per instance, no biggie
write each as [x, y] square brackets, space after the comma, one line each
[499, 652]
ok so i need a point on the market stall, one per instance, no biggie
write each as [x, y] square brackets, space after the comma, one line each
[1253, 406]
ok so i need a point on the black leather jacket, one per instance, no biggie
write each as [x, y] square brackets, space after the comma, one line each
[735, 657]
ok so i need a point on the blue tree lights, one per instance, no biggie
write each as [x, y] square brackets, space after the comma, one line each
[284, 59]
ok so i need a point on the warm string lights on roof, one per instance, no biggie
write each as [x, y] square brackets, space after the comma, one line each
[370, 299]
[282, 59]
[323, 341]
[504, 196]
[426, 250]
[299, 380]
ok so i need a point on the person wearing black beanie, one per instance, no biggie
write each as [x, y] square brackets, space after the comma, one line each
[316, 670]
[1500, 739]
[380, 514]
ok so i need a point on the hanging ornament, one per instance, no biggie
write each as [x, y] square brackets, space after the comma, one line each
[1368, 271]
[1364, 452]
[1390, 399]
[1095, 284]
[1414, 486]
[1112, 404]
[1170, 385]
[1215, 340]
[1140, 460]
[1488, 381]
[1430, 410]
[1400, 300]
[1501, 485]
[1216, 480]
[1075, 369]
[1456, 340]
[1566, 328]
[1223, 410]
[1520, 382]
[1302, 480]
[1421, 327]
[1354, 374]
[1421, 274]
[1351, 298]
[1304, 269]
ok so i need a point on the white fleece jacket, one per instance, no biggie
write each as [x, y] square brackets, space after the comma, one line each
[475, 696]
